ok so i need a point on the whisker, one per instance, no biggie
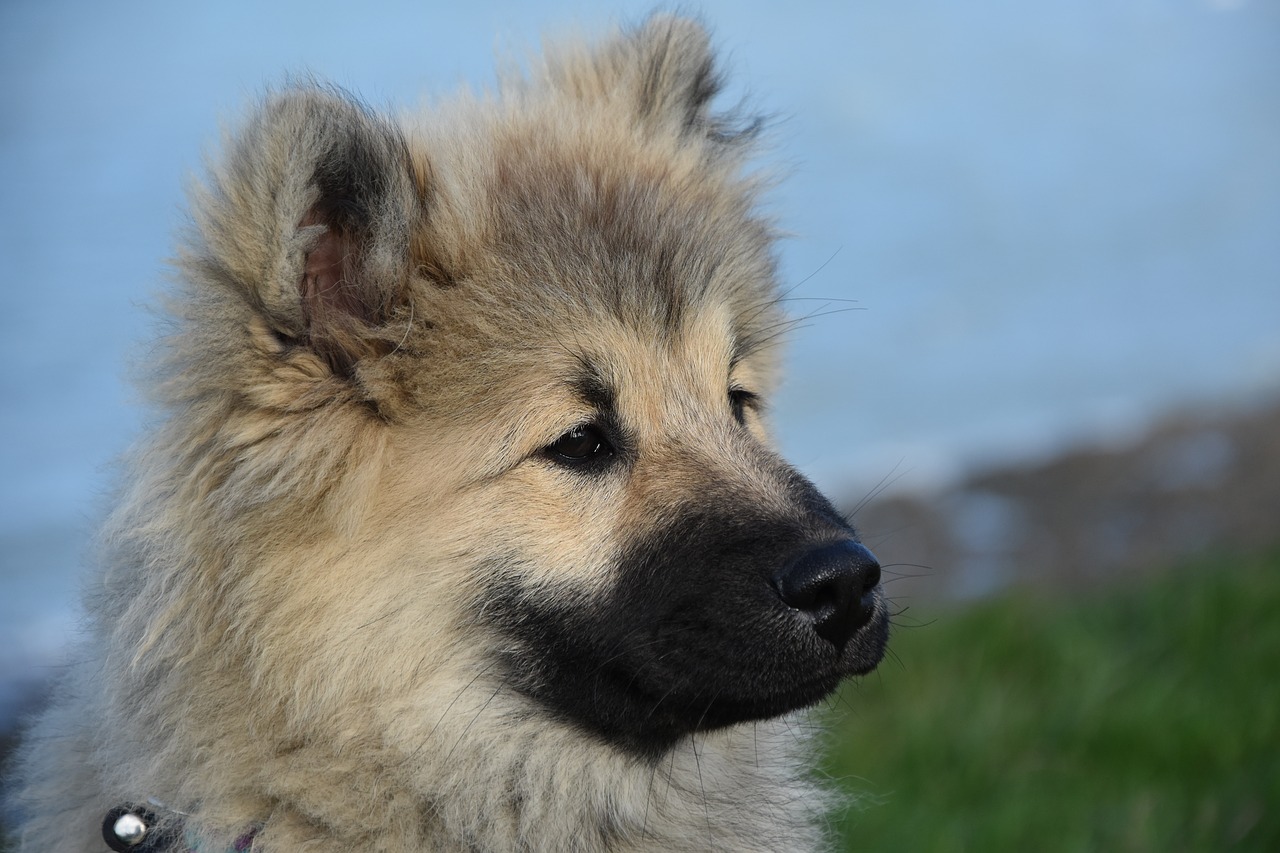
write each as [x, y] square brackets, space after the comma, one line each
[463, 736]
[886, 481]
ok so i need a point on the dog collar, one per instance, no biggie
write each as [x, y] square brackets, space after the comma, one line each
[136, 829]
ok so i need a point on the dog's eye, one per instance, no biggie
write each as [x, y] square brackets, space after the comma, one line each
[581, 444]
[740, 399]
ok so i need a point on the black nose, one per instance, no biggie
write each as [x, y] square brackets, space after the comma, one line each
[833, 586]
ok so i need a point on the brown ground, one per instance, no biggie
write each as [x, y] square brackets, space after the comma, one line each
[1198, 483]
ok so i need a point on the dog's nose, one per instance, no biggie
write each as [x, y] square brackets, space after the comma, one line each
[833, 586]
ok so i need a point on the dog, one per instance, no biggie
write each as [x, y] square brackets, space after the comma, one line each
[461, 528]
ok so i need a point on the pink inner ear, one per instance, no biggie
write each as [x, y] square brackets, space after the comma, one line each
[328, 287]
[333, 303]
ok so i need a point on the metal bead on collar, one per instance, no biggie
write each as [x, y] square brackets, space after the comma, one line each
[126, 829]
[130, 829]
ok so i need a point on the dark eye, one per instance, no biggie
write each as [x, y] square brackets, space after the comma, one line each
[740, 399]
[579, 445]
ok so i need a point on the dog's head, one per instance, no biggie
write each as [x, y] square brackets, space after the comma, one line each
[488, 386]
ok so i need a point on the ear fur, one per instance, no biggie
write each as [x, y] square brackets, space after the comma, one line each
[311, 216]
[664, 71]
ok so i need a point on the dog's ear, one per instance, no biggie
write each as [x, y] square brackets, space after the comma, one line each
[664, 71]
[310, 217]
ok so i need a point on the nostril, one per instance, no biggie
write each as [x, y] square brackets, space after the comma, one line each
[830, 585]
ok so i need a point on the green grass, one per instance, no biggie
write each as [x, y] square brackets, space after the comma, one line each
[1144, 719]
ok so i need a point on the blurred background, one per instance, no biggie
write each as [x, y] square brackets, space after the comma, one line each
[1040, 244]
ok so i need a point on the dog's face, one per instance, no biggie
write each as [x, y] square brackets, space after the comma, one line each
[543, 337]
[640, 560]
